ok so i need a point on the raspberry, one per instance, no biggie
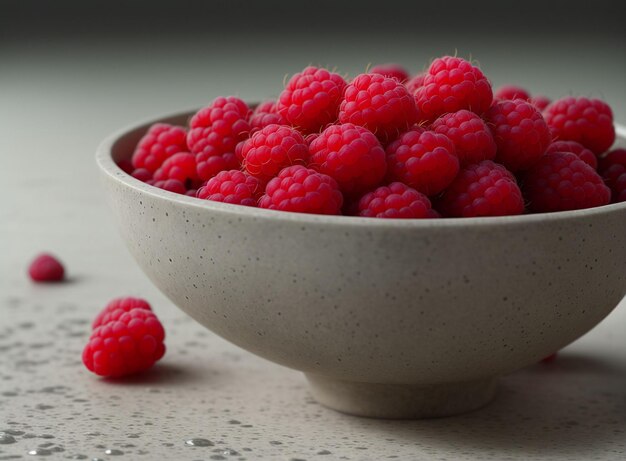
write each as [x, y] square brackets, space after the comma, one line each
[171, 185]
[191, 192]
[311, 98]
[180, 167]
[482, 189]
[159, 143]
[613, 170]
[123, 304]
[231, 186]
[521, 133]
[381, 104]
[414, 83]
[142, 174]
[302, 190]
[540, 102]
[452, 84]
[424, 160]
[265, 114]
[351, 155]
[271, 149]
[214, 133]
[472, 139]
[46, 268]
[511, 92]
[587, 121]
[575, 148]
[129, 343]
[126, 166]
[561, 181]
[392, 71]
[395, 201]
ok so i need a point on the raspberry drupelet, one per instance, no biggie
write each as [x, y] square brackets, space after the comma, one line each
[397, 201]
[232, 186]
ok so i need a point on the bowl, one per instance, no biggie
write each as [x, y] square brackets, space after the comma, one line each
[386, 318]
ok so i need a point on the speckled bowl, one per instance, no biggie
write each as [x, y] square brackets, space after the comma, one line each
[387, 318]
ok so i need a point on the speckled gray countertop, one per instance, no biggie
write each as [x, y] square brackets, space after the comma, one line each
[56, 107]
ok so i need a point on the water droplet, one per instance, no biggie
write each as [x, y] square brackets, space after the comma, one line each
[275, 442]
[6, 439]
[113, 452]
[12, 432]
[199, 443]
[40, 452]
[323, 452]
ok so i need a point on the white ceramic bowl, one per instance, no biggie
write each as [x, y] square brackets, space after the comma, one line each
[387, 318]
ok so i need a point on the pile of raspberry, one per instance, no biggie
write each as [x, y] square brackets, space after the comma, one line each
[385, 144]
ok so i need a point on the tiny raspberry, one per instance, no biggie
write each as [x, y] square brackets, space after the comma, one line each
[424, 160]
[271, 149]
[302, 190]
[472, 138]
[171, 185]
[395, 201]
[482, 189]
[180, 167]
[214, 133]
[142, 174]
[415, 82]
[511, 92]
[129, 343]
[521, 133]
[351, 155]
[562, 181]
[159, 143]
[613, 170]
[575, 148]
[587, 121]
[381, 104]
[540, 102]
[122, 304]
[46, 268]
[232, 186]
[391, 70]
[452, 84]
[265, 114]
[311, 98]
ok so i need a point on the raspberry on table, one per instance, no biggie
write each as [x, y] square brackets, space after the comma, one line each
[351, 155]
[452, 84]
[46, 268]
[540, 102]
[511, 92]
[180, 167]
[158, 144]
[302, 190]
[215, 131]
[311, 98]
[123, 305]
[575, 148]
[129, 343]
[232, 186]
[142, 174]
[415, 82]
[171, 185]
[561, 181]
[391, 70]
[271, 149]
[613, 170]
[482, 189]
[423, 160]
[397, 201]
[472, 138]
[587, 121]
[265, 114]
[381, 104]
[520, 132]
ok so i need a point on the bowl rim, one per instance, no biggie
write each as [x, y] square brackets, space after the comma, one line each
[108, 166]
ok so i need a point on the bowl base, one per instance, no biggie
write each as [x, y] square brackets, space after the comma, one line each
[401, 401]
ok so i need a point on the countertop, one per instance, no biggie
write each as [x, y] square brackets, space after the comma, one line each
[57, 103]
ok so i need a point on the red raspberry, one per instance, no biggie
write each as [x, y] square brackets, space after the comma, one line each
[381, 104]
[46, 268]
[232, 186]
[351, 155]
[180, 167]
[129, 343]
[587, 121]
[126, 166]
[171, 185]
[424, 160]
[265, 114]
[392, 71]
[123, 304]
[142, 174]
[302, 190]
[561, 181]
[575, 148]
[511, 92]
[159, 143]
[613, 170]
[482, 189]
[452, 84]
[214, 133]
[414, 83]
[521, 133]
[271, 149]
[472, 139]
[191, 192]
[310, 100]
[395, 201]
[540, 102]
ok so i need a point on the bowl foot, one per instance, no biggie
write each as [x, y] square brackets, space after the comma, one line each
[401, 401]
